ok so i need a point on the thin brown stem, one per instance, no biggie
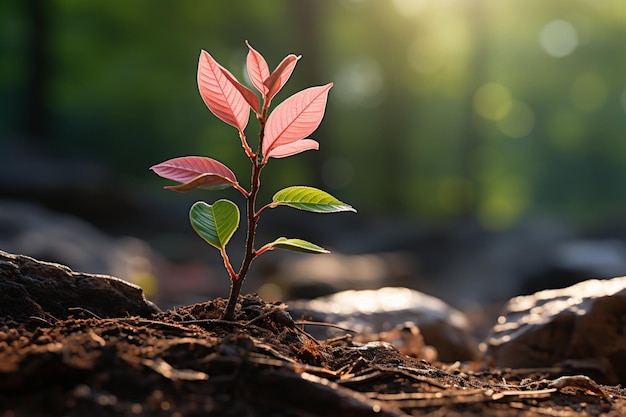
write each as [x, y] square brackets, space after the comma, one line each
[228, 265]
[235, 289]
[242, 190]
[258, 213]
[250, 253]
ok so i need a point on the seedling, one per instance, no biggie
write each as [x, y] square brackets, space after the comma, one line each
[282, 132]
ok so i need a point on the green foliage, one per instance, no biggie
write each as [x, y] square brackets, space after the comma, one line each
[309, 199]
[297, 245]
[215, 223]
[406, 110]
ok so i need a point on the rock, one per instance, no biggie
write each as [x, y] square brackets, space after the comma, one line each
[581, 327]
[35, 231]
[32, 288]
[376, 311]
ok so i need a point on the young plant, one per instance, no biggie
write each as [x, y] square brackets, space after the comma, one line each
[282, 133]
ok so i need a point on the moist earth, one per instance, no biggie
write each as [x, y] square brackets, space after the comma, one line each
[75, 356]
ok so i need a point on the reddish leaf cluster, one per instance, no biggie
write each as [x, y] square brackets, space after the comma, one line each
[287, 126]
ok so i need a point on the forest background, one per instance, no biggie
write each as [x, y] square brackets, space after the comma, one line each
[493, 111]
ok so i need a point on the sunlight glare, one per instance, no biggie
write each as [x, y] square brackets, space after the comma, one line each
[409, 8]
[440, 48]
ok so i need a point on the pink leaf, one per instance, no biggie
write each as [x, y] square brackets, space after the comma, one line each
[294, 148]
[247, 94]
[281, 74]
[207, 181]
[295, 118]
[258, 71]
[188, 168]
[219, 94]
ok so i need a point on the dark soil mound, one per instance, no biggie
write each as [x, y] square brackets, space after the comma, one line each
[74, 357]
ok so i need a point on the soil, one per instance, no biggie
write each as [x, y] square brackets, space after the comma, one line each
[188, 362]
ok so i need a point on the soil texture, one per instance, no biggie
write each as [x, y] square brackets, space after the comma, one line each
[187, 362]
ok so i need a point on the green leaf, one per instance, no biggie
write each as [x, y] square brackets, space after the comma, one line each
[297, 245]
[309, 199]
[215, 223]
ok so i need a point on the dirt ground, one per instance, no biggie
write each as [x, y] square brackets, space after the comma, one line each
[187, 362]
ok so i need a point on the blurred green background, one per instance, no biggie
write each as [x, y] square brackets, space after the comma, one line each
[442, 109]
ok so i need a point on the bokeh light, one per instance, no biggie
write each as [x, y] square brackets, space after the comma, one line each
[492, 101]
[558, 38]
[504, 202]
[360, 83]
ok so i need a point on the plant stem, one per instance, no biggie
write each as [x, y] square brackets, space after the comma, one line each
[250, 254]
[255, 183]
[235, 289]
